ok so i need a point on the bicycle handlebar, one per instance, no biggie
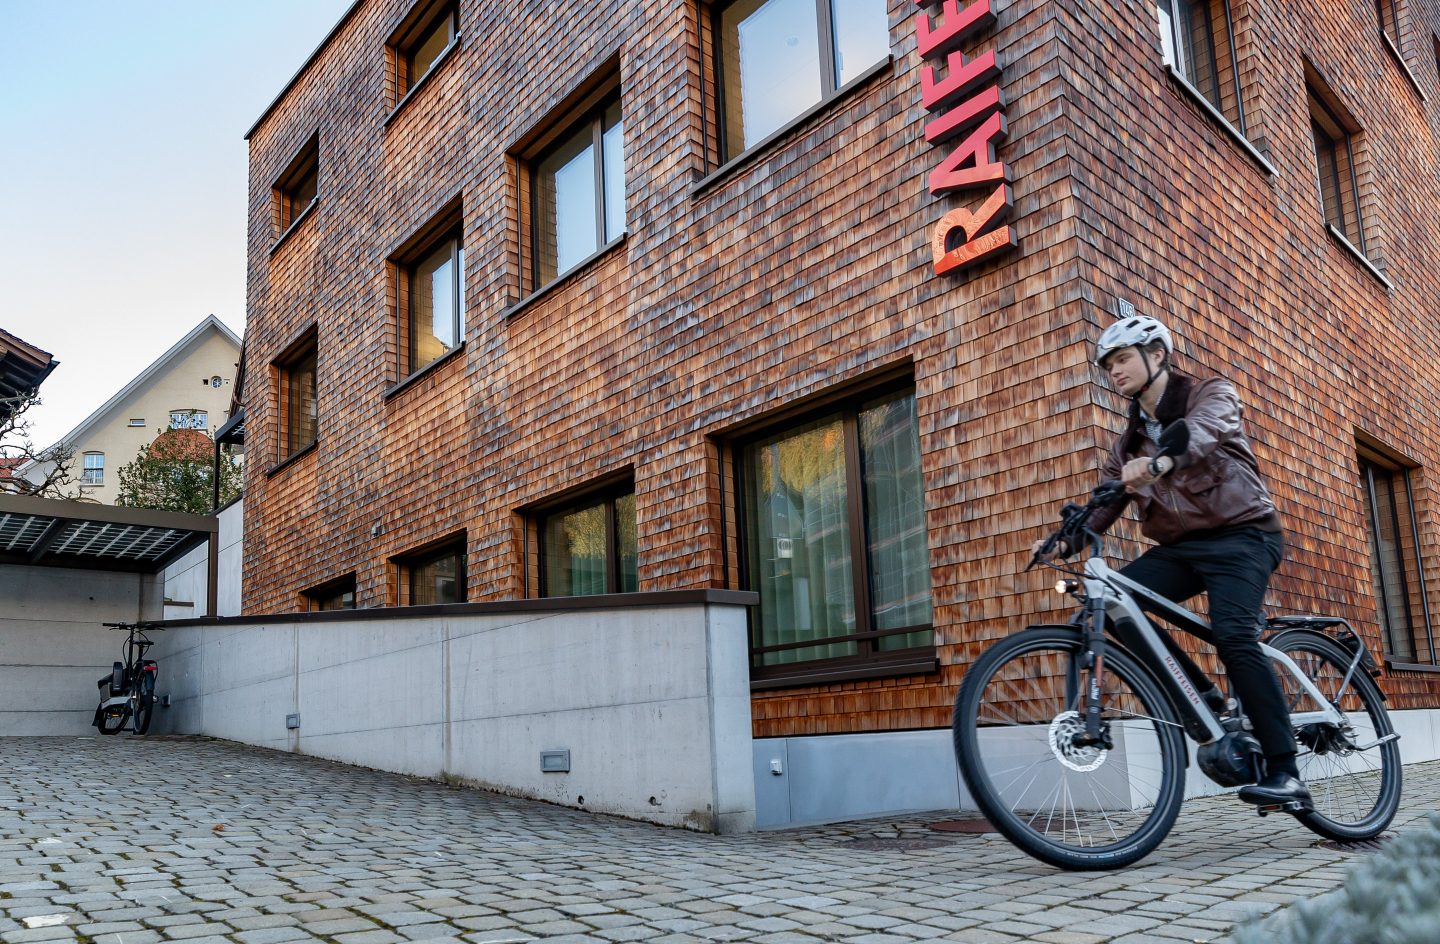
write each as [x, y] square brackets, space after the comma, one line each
[1073, 518]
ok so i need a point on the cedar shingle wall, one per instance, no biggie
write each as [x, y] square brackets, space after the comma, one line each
[809, 267]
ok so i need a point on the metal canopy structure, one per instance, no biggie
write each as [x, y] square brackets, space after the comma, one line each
[53, 533]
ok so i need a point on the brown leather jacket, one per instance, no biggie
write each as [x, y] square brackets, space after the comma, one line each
[1215, 484]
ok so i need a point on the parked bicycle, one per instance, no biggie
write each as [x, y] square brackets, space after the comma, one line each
[127, 694]
[1070, 737]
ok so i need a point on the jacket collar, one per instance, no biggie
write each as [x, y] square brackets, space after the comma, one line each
[1173, 403]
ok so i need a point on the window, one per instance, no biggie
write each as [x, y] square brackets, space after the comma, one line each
[433, 576]
[430, 301]
[578, 193]
[779, 58]
[833, 519]
[298, 411]
[1395, 559]
[1196, 40]
[187, 419]
[589, 547]
[1388, 13]
[94, 469]
[420, 42]
[297, 188]
[1335, 170]
[338, 594]
[136, 421]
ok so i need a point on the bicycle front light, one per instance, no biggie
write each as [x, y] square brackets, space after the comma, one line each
[1067, 585]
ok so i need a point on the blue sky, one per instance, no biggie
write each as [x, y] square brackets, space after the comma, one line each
[123, 175]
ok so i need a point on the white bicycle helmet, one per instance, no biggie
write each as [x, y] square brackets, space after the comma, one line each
[1137, 331]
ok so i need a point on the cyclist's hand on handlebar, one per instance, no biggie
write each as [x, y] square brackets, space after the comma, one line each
[1058, 549]
[1137, 475]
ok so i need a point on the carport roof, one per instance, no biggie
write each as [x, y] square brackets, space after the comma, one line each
[53, 533]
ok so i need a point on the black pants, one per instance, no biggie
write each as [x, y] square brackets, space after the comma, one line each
[1234, 569]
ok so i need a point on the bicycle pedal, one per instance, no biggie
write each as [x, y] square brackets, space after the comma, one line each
[1290, 806]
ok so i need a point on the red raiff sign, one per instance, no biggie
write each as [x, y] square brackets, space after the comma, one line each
[965, 104]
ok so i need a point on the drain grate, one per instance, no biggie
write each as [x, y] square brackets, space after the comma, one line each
[1365, 845]
[972, 826]
[899, 844]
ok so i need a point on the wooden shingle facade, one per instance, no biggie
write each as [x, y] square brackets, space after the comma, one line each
[795, 283]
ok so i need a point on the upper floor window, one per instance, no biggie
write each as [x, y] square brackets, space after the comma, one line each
[189, 419]
[589, 546]
[1335, 169]
[93, 472]
[298, 403]
[297, 188]
[420, 42]
[578, 193]
[430, 300]
[778, 58]
[1388, 13]
[1196, 40]
[833, 518]
[1395, 565]
[136, 421]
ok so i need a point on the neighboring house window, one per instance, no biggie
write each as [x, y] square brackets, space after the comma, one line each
[781, 57]
[297, 188]
[94, 470]
[186, 419]
[589, 546]
[578, 192]
[420, 42]
[335, 595]
[1335, 170]
[833, 519]
[1197, 41]
[136, 421]
[1395, 565]
[433, 576]
[299, 404]
[430, 299]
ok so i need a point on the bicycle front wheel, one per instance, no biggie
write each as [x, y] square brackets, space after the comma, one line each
[142, 701]
[1353, 770]
[1018, 713]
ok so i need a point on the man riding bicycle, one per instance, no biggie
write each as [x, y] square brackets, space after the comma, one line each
[1213, 519]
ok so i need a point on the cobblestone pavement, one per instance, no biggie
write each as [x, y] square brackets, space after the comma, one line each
[149, 841]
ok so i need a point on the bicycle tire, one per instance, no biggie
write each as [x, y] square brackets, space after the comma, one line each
[1015, 705]
[1356, 793]
[144, 702]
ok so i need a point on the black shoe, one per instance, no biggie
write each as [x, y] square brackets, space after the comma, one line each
[1278, 789]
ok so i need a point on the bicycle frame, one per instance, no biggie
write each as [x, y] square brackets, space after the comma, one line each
[1120, 594]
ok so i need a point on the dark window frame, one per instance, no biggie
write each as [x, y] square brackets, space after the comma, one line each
[831, 88]
[609, 494]
[447, 225]
[316, 597]
[408, 563]
[1185, 68]
[1375, 464]
[593, 115]
[406, 40]
[288, 367]
[869, 661]
[1344, 134]
[302, 171]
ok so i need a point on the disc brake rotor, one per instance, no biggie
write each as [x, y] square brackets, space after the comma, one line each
[1063, 731]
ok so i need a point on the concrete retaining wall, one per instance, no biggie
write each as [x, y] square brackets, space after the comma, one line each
[52, 646]
[652, 702]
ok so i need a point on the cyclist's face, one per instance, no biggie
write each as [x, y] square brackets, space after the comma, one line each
[1126, 368]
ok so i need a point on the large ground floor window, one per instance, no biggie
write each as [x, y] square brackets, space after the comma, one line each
[835, 543]
[1395, 565]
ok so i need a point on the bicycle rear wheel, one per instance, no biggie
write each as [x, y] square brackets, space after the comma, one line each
[1353, 780]
[1082, 808]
